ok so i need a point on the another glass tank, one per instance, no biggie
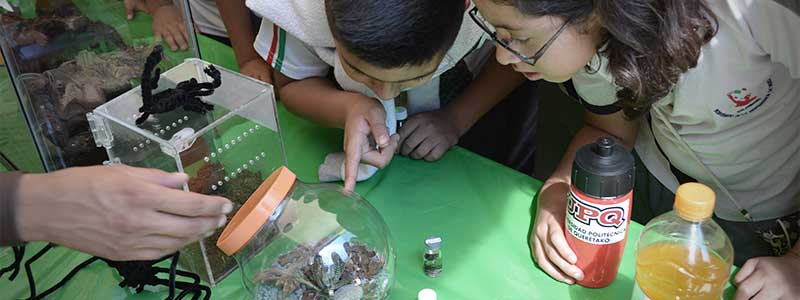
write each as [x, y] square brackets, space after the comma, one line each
[302, 241]
[67, 57]
[226, 151]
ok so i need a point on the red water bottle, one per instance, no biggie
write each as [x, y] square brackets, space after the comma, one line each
[598, 209]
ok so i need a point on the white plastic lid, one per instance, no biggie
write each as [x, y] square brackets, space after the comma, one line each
[401, 113]
[426, 294]
[433, 242]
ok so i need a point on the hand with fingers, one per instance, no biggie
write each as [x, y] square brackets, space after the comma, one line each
[131, 6]
[548, 241]
[116, 212]
[428, 135]
[366, 119]
[774, 278]
[168, 25]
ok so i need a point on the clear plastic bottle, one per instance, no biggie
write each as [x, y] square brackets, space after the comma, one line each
[684, 254]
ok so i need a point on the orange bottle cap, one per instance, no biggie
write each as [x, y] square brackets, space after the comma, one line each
[256, 211]
[694, 202]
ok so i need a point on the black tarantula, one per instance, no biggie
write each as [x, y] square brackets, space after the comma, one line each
[186, 94]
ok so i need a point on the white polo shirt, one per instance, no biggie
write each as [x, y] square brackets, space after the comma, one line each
[296, 40]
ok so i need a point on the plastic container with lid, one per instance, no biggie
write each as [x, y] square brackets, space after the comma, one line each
[63, 59]
[684, 254]
[294, 240]
[227, 152]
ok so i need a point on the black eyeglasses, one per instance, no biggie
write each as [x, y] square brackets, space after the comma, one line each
[483, 24]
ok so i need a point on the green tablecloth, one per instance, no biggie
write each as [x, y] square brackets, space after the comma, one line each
[16, 141]
[480, 208]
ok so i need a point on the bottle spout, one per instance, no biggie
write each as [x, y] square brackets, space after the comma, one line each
[604, 147]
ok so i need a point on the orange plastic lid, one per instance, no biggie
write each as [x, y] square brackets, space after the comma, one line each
[256, 211]
[694, 201]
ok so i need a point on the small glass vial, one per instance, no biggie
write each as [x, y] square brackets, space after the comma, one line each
[432, 260]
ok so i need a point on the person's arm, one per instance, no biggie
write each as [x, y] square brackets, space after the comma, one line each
[131, 6]
[300, 80]
[9, 183]
[152, 5]
[776, 30]
[168, 24]
[305, 91]
[236, 17]
[116, 212]
[319, 100]
[548, 242]
[595, 126]
[770, 277]
[429, 135]
[493, 84]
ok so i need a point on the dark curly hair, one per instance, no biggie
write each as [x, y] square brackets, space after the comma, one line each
[650, 43]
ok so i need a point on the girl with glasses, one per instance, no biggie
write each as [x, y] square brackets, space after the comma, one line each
[704, 91]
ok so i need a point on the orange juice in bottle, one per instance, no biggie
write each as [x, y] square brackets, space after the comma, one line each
[684, 254]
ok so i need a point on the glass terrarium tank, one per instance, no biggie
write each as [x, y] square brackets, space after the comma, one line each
[67, 57]
[298, 241]
[227, 149]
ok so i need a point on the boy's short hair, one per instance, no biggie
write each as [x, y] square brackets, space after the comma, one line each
[395, 33]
